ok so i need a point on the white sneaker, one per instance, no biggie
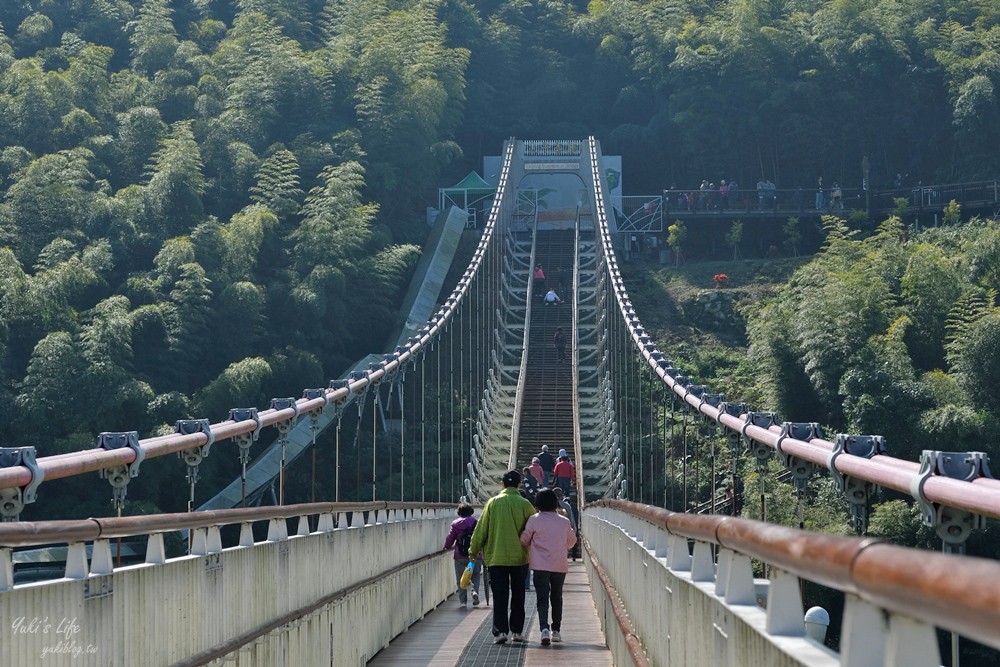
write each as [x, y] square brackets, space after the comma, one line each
[463, 605]
[555, 636]
[500, 638]
[546, 637]
[475, 599]
[517, 637]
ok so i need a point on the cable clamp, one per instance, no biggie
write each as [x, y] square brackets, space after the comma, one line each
[120, 476]
[194, 455]
[952, 525]
[763, 420]
[12, 501]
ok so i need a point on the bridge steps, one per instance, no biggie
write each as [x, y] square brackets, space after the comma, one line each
[547, 410]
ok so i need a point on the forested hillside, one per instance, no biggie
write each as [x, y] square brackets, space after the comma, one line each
[206, 203]
[892, 335]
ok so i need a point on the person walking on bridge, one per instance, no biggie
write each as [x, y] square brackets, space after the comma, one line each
[559, 342]
[539, 278]
[498, 535]
[565, 473]
[464, 524]
[548, 463]
[548, 535]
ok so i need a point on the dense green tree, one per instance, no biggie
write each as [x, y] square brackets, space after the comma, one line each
[33, 102]
[244, 236]
[238, 323]
[277, 183]
[176, 182]
[241, 384]
[150, 345]
[187, 318]
[929, 287]
[140, 131]
[48, 402]
[153, 37]
[977, 366]
[54, 196]
[155, 155]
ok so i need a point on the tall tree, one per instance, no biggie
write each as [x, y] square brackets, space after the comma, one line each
[153, 37]
[176, 182]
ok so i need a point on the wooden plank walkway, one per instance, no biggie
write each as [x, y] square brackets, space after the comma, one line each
[442, 637]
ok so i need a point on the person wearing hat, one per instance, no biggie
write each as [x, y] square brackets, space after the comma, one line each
[498, 536]
[537, 471]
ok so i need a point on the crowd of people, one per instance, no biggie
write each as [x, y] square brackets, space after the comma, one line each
[764, 197]
[526, 533]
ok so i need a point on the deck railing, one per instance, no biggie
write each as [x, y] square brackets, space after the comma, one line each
[284, 600]
[687, 585]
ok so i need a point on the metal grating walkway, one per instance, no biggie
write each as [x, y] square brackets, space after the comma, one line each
[453, 637]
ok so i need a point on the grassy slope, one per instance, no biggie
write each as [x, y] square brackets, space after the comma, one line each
[670, 303]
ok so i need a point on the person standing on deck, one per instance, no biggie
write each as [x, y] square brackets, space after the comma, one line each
[548, 463]
[498, 535]
[539, 277]
[548, 535]
[564, 474]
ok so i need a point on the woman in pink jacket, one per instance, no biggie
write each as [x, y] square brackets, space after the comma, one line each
[548, 535]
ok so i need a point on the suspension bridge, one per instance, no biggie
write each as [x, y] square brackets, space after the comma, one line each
[474, 387]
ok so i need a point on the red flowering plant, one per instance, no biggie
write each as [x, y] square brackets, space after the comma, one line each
[720, 279]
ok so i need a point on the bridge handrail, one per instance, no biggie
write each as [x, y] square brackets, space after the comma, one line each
[522, 375]
[92, 460]
[786, 200]
[38, 533]
[979, 496]
[959, 593]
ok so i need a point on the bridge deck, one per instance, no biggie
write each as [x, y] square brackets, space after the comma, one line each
[454, 637]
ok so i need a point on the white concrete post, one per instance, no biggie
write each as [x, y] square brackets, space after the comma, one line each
[6, 571]
[277, 530]
[739, 587]
[678, 558]
[156, 554]
[911, 644]
[784, 605]
[722, 575]
[702, 567]
[76, 561]
[862, 639]
[100, 560]
[213, 542]
[199, 542]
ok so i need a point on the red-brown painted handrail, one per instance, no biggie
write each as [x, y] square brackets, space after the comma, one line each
[36, 533]
[958, 593]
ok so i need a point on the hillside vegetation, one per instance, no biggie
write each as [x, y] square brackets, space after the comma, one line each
[893, 333]
[209, 203]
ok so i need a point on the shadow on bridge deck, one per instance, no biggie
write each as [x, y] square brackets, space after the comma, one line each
[453, 637]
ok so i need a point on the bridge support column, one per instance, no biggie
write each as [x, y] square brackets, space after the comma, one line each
[100, 560]
[862, 641]
[156, 554]
[6, 571]
[784, 605]
[678, 558]
[911, 644]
